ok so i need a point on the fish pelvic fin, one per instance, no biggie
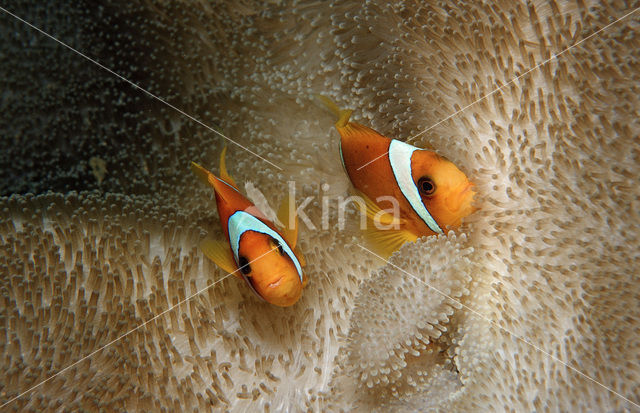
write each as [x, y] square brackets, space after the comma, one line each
[220, 253]
[224, 175]
[343, 115]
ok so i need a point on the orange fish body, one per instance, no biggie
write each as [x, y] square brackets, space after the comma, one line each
[255, 250]
[432, 194]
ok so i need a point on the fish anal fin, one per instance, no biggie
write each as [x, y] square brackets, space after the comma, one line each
[219, 253]
[288, 218]
[224, 174]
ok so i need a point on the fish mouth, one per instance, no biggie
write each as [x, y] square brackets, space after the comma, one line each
[467, 188]
[275, 283]
[468, 194]
[461, 200]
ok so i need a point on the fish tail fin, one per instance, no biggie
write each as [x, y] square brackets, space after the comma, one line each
[200, 172]
[343, 115]
[209, 179]
[224, 175]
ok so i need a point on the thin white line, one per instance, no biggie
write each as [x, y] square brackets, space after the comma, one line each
[126, 334]
[509, 82]
[139, 87]
[502, 328]
[373, 160]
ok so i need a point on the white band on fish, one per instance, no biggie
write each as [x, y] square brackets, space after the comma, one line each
[400, 160]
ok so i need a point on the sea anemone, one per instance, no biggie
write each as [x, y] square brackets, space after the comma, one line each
[107, 303]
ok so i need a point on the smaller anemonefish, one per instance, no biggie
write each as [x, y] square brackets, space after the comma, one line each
[255, 250]
[431, 192]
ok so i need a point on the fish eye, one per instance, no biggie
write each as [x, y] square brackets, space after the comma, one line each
[426, 186]
[280, 250]
[244, 265]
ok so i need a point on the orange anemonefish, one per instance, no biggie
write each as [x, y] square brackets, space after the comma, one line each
[265, 257]
[432, 193]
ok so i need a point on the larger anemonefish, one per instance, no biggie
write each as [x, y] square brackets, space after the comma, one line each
[255, 250]
[431, 192]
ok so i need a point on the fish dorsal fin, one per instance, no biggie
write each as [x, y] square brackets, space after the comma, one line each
[224, 175]
[220, 253]
[343, 115]
[287, 216]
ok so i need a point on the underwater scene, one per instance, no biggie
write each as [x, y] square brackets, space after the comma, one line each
[320, 206]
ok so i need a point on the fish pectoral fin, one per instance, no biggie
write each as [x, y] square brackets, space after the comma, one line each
[224, 175]
[384, 230]
[219, 252]
[288, 218]
[386, 242]
[343, 115]
[377, 215]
